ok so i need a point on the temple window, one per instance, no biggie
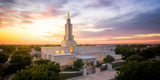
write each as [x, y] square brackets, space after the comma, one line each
[71, 49]
[100, 57]
[57, 51]
[62, 51]
[70, 61]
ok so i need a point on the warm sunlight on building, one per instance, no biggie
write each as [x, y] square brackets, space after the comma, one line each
[57, 52]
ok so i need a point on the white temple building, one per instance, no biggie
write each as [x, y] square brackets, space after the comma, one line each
[69, 51]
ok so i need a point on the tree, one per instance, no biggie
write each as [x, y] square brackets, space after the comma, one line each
[21, 51]
[37, 48]
[48, 71]
[78, 64]
[135, 58]
[148, 53]
[145, 70]
[3, 57]
[20, 61]
[7, 48]
[41, 61]
[108, 59]
[128, 50]
[25, 47]
[157, 50]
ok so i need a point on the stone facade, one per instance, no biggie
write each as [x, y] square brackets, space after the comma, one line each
[66, 54]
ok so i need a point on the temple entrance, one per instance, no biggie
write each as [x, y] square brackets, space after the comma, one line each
[89, 64]
[90, 67]
[71, 49]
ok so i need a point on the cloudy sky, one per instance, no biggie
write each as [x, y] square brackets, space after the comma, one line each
[94, 21]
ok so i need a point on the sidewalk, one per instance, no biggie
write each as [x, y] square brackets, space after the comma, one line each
[105, 75]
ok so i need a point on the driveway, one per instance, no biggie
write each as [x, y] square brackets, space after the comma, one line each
[104, 75]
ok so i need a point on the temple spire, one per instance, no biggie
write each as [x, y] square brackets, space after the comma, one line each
[68, 15]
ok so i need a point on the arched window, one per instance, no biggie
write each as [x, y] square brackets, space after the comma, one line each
[71, 49]
[70, 61]
[100, 57]
[111, 50]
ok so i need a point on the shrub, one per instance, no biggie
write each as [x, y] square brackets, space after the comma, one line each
[70, 69]
[108, 59]
[78, 64]
[99, 64]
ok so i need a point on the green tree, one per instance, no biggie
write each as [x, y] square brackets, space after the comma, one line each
[145, 70]
[135, 58]
[148, 53]
[157, 50]
[48, 71]
[25, 47]
[37, 48]
[3, 57]
[21, 51]
[108, 59]
[41, 61]
[99, 64]
[78, 64]
[17, 63]
[20, 61]
[7, 48]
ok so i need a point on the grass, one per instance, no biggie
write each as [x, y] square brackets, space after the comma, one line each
[70, 69]
[69, 75]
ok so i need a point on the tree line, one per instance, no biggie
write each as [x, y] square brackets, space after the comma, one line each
[138, 65]
[145, 50]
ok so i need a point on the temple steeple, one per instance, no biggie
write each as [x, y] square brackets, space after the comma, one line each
[68, 29]
[68, 37]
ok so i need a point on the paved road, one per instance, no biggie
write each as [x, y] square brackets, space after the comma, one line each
[6, 63]
[105, 75]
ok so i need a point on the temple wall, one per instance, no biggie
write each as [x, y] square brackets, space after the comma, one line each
[53, 49]
[64, 60]
[96, 48]
[98, 51]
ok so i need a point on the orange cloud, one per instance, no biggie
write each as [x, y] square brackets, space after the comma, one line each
[37, 15]
[138, 36]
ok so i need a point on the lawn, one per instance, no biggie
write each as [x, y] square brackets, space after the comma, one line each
[69, 75]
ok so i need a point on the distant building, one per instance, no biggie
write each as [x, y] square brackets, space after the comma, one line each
[36, 54]
[69, 51]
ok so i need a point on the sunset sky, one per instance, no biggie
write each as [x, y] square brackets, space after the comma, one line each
[94, 21]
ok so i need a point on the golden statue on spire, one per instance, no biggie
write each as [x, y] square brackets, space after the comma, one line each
[68, 15]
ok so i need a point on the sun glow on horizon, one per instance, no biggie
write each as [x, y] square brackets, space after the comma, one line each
[94, 22]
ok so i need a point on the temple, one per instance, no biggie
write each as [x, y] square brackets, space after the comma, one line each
[69, 51]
